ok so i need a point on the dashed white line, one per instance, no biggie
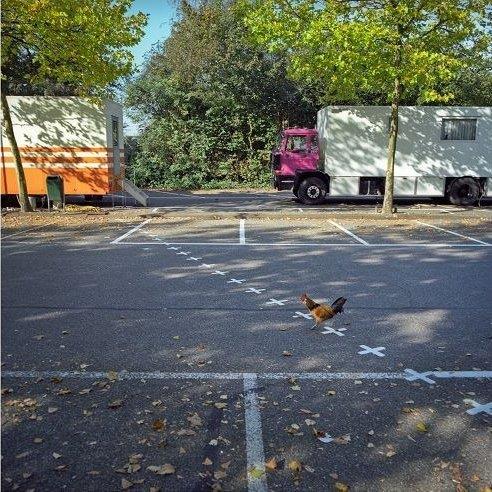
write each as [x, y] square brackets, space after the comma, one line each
[135, 229]
[255, 453]
[454, 233]
[351, 234]
[242, 232]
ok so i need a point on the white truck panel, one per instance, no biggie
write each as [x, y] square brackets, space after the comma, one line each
[354, 139]
[430, 186]
[342, 186]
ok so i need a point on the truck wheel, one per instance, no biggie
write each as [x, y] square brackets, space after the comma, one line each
[312, 191]
[464, 191]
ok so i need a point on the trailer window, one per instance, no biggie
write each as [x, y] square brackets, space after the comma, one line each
[458, 129]
[297, 144]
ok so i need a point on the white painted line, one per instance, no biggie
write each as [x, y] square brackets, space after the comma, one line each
[329, 329]
[172, 248]
[218, 272]
[454, 233]
[207, 265]
[185, 253]
[477, 407]
[242, 233]
[351, 234]
[324, 245]
[315, 376]
[255, 291]
[155, 209]
[26, 230]
[236, 281]
[192, 258]
[255, 453]
[414, 375]
[276, 302]
[299, 314]
[369, 350]
[135, 229]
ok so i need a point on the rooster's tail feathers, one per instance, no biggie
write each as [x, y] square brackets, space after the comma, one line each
[338, 304]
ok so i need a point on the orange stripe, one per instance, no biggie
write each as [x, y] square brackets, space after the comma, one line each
[59, 149]
[59, 159]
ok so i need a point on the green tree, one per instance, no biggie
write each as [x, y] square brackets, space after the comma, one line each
[396, 48]
[211, 104]
[82, 44]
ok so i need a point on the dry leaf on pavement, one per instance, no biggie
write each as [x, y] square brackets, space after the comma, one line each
[271, 464]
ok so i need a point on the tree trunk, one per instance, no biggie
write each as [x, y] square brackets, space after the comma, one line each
[390, 166]
[21, 178]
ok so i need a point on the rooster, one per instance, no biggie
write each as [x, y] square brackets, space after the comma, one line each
[322, 312]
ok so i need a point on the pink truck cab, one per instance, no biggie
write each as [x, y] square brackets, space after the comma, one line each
[295, 165]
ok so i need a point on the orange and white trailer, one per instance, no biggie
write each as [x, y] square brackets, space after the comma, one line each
[70, 137]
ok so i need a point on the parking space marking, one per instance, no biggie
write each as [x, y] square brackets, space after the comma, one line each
[454, 233]
[276, 302]
[322, 245]
[255, 453]
[477, 407]
[315, 376]
[351, 234]
[255, 291]
[25, 230]
[236, 281]
[129, 233]
[414, 375]
[242, 232]
[299, 314]
[329, 329]
[368, 350]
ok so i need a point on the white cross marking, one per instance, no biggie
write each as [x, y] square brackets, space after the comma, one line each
[236, 281]
[186, 253]
[414, 375]
[277, 302]
[157, 239]
[369, 350]
[192, 258]
[477, 407]
[206, 265]
[302, 315]
[218, 272]
[256, 291]
[329, 329]
[174, 248]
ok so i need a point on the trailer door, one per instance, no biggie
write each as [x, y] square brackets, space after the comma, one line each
[115, 130]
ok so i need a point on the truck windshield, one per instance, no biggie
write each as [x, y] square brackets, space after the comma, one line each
[297, 143]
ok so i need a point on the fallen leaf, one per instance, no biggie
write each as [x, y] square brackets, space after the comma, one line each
[64, 391]
[38, 440]
[343, 439]
[220, 405]
[56, 456]
[422, 427]
[26, 475]
[407, 410]
[341, 487]
[220, 474]
[186, 432]
[22, 455]
[310, 422]
[52, 409]
[155, 489]
[334, 476]
[207, 462]
[182, 450]
[295, 466]
[271, 464]
[286, 353]
[389, 454]
[157, 403]
[38, 337]
[94, 472]
[331, 392]
[194, 420]
[166, 469]
[126, 484]
[256, 472]
[115, 404]
[371, 432]
[159, 425]
[213, 442]
[112, 375]
[85, 391]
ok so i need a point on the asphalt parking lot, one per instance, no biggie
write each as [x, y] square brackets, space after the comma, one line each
[166, 349]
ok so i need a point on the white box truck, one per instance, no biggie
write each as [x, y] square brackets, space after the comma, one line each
[441, 152]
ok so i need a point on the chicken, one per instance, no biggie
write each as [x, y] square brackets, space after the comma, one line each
[322, 312]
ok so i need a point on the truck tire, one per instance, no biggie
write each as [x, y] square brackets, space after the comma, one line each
[464, 191]
[312, 191]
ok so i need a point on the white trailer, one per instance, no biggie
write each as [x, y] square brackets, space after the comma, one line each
[441, 151]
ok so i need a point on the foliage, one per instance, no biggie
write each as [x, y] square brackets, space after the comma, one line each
[82, 44]
[211, 105]
[350, 48]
